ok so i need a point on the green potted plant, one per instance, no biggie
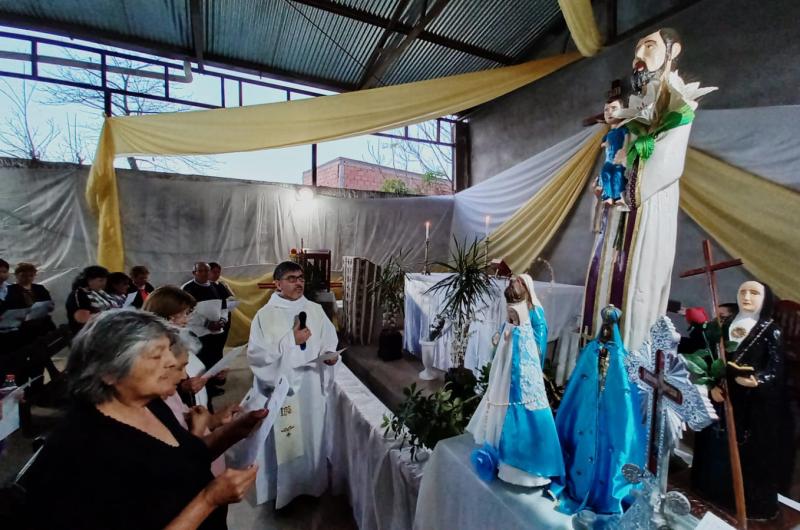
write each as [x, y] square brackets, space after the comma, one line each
[465, 291]
[389, 288]
[421, 420]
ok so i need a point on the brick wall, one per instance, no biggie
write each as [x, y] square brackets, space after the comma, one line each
[359, 175]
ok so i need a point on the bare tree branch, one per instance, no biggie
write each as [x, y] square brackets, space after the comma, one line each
[19, 137]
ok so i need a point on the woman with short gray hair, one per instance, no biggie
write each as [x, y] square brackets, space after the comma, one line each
[120, 460]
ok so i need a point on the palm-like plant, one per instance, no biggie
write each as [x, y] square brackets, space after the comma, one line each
[389, 288]
[466, 290]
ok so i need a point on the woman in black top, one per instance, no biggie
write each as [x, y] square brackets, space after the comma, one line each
[120, 460]
[23, 295]
[87, 297]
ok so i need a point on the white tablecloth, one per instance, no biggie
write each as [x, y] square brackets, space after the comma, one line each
[561, 302]
[380, 481]
[453, 497]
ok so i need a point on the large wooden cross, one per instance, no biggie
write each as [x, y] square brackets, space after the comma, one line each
[661, 390]
[733, 447]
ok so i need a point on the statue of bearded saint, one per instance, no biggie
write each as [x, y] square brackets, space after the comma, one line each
[631, 262]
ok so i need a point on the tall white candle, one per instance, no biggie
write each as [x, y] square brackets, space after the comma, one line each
[427, 230]
[486, 226]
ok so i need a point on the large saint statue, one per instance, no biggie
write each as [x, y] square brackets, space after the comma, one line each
[755, 380]
[514, 417]
[281, 344]
[633, 253]
[599, 426]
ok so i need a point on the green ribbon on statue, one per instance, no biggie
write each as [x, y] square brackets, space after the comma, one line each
[645, 142]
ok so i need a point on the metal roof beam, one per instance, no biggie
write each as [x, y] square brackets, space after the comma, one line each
[197, 17]
[375, 20]
[169, 51]
[380, 46]
[373, 76]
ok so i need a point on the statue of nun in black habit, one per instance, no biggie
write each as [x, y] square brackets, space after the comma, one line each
[755, 377]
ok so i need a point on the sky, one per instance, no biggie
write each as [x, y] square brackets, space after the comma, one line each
[73, 119]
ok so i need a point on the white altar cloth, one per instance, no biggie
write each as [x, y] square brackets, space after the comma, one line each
[381, 482]
[561, 304]
[452, 496]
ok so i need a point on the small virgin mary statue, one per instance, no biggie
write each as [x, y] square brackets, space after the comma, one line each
[514, 419]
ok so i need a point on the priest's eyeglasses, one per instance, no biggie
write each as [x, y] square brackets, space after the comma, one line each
[294, 279]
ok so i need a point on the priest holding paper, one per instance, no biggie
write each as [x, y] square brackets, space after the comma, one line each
[292, 337]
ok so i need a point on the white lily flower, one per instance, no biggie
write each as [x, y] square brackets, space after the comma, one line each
[640, 108]
[685, 93]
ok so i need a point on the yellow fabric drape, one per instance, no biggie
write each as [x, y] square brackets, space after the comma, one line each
[251, 299]
[749, 216]
[285, 124]
[523, 237]
[582, 25]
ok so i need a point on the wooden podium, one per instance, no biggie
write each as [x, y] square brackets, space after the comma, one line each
[320, 260]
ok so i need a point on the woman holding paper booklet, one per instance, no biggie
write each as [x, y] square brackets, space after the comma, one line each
[120, 459]
[33, 303]
[176, 305]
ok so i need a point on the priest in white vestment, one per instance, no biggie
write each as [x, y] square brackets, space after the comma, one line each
[294, 460]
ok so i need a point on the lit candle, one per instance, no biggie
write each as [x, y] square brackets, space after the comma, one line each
[486, 226]
[427, 230]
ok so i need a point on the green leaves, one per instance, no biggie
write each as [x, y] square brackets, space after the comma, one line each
[389, 286]
[704, 367]
[421, 421]
[464, 289]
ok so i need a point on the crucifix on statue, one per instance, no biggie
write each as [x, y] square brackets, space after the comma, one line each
[671, 402]
[661, 390]
[733, 447]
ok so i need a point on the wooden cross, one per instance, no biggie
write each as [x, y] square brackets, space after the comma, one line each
[733, 447]
[661, 389]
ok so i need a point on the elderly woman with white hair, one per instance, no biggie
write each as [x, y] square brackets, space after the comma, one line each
[120, 459]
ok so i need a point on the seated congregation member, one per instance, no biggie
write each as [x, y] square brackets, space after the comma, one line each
[140, 285]
[196, 419]
[279, 347]
[175, 305]
[22, 295]
[117, 286]
[87, 297]
[120, 460]
[4, 268]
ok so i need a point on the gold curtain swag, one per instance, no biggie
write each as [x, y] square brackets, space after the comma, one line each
[286, 124]
[749, 216]
[525, 234]
[582, 25]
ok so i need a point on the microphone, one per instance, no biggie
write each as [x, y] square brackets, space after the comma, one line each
[302, 319]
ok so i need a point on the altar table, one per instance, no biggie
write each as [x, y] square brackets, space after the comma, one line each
[561, 302]
[452, 496]
[381, 481]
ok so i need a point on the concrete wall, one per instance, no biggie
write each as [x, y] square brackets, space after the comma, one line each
[748, 49]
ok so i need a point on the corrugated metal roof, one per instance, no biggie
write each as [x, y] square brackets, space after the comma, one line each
[321, 42]
[163, 21]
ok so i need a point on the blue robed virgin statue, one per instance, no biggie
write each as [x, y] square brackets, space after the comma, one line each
[514, 420]
[599, 425]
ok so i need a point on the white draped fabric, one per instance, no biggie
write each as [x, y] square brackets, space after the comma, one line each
[172, 221]
[761, 140]
[380, 480]
[452, 496]
[502, 195]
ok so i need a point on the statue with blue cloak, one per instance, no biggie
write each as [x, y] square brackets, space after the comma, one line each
[514, 421]
[599, 426]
